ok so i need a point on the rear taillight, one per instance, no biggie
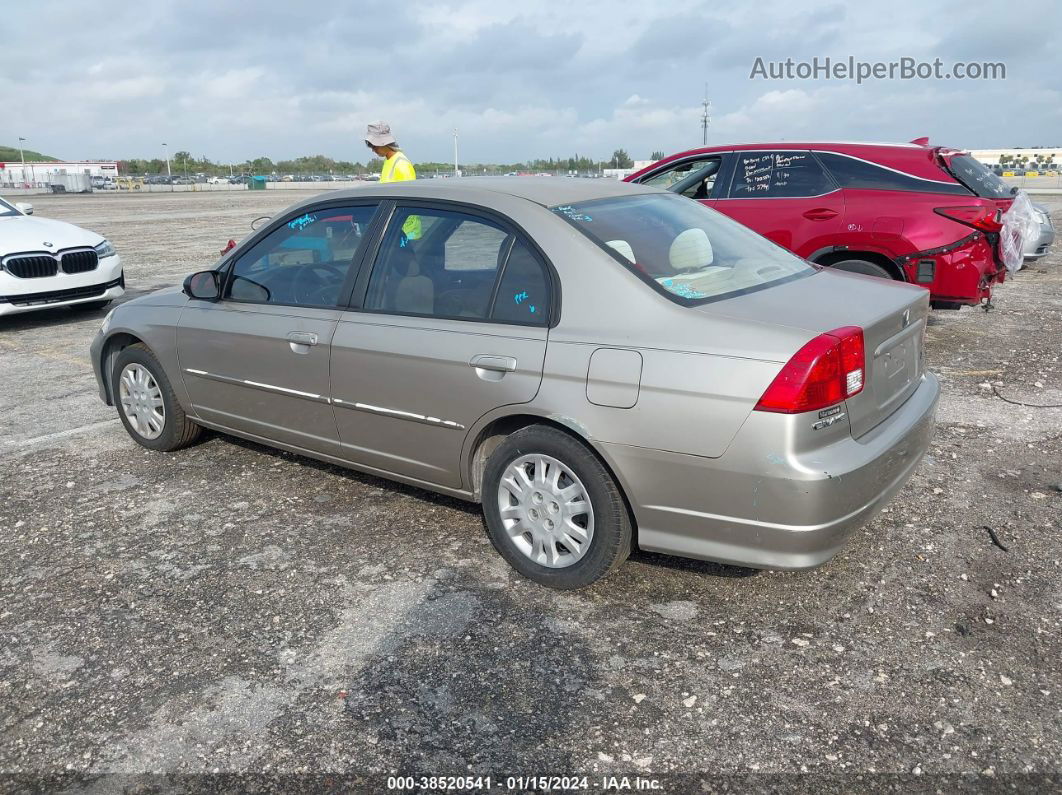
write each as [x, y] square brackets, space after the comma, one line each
[827, 370]
[987, 219]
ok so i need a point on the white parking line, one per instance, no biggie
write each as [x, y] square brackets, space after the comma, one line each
[60, 434]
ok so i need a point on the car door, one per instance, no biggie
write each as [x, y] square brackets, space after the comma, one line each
[257, 361]
[786, 196]
[443, 329]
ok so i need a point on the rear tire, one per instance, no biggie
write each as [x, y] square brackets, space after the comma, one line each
[861, 266]
[146, 403]
[563, 522]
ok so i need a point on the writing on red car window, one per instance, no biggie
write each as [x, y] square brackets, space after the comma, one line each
[761, 173]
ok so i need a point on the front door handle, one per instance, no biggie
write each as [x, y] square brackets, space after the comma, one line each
[300, 341]
[492, 368]
[820, 214]
[501, 364]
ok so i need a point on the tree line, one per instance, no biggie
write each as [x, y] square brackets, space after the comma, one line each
[185, 163]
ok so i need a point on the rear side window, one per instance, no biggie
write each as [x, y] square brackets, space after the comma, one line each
[857, 174]
[523, 292]
[449, 264]
[773, 175]
[978, 178]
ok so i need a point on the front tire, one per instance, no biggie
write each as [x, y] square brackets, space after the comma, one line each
[553, 510]
[147, 404]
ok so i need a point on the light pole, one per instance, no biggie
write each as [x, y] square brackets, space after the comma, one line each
[169, 176]
[22, 155]
[457, 171]
[706, 118]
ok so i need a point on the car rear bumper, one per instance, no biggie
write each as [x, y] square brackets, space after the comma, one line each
[962, 273]
[103, 283]
[1043, 244]
[766, 503]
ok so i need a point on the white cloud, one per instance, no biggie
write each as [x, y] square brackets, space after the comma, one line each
[518, 80]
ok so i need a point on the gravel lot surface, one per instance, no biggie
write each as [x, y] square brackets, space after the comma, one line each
[231, 608]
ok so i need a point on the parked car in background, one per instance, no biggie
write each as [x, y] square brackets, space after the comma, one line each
[1038, 247]
[603, 366]
[926, 215]
[44, 262]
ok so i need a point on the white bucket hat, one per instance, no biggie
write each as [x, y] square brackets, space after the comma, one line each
[379, 134]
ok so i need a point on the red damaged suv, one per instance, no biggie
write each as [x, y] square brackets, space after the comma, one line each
[912, 212]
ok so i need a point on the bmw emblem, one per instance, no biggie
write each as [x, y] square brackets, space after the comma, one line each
[47, 244]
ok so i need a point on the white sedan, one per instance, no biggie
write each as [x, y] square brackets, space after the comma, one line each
[44, 263]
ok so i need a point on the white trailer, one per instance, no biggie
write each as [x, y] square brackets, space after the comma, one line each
[62, 182]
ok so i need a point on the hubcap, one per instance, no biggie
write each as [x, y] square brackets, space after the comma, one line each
[141, 401]
[546, 511]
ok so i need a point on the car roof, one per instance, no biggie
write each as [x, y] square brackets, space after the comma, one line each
[546, 191]
[839, 146]
[915, 159]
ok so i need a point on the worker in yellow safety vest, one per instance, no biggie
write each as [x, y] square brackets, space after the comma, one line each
[396, 168]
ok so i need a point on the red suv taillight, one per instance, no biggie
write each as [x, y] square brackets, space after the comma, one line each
[827, 370]
[987, 219]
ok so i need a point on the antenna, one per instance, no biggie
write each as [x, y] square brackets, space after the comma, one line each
[705, 117]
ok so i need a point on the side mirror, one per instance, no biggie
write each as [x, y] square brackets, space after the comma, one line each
[203, 286]
[24, 207]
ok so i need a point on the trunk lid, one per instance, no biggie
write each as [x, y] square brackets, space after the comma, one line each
[893, 318]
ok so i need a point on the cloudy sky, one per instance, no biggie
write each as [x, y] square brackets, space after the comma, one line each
[535, 78]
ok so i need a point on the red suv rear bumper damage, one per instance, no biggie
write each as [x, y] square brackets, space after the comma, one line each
[960, 274]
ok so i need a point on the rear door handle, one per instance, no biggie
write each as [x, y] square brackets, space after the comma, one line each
[494, 364]
[300, 341]
[820, 214]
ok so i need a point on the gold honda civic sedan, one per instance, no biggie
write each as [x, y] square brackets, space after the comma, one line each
[603, 366]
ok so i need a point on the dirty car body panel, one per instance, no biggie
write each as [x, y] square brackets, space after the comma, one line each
[507, 307]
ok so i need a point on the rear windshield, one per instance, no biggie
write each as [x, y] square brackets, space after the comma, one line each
[681, 248]
[978, 178]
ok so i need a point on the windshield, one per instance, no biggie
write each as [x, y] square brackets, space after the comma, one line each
[976, 176]
[686, 251]
[7, 209]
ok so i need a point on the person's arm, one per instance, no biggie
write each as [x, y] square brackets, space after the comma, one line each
[404, 170]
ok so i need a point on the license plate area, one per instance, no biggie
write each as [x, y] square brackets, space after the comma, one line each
[897, 367]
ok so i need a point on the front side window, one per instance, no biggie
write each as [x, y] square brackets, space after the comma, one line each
[304, 262]
[7, 209]
[703, 172]
[683, 249]
[773, 175]
[464, 267]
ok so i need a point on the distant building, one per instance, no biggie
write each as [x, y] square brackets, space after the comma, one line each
[990, 157]
[37, 175]
[623, 173]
